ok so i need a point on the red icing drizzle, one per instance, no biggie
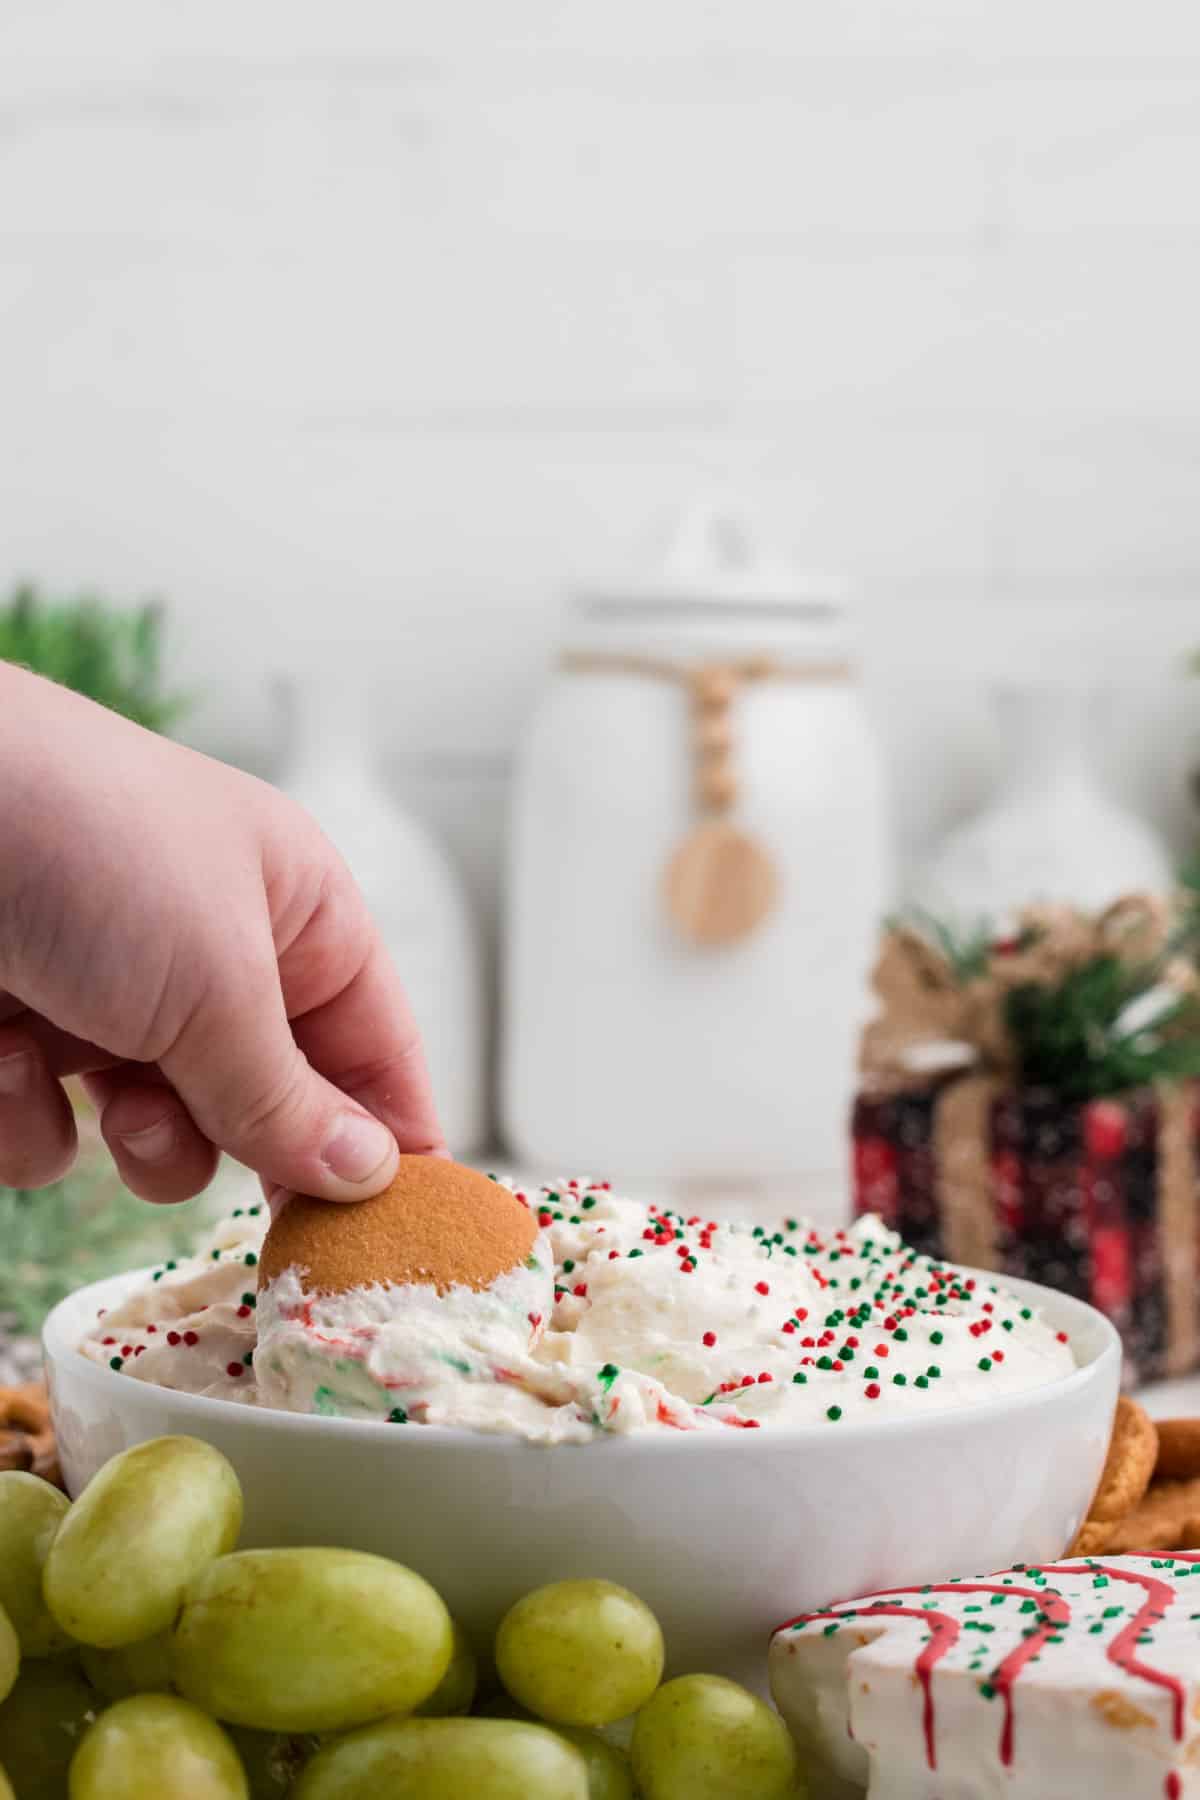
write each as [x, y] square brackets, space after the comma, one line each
[1174, 1786]
[943, 1635]
[1159, 1595]
[1055, 1613]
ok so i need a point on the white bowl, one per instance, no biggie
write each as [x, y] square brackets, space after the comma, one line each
[724, 1534]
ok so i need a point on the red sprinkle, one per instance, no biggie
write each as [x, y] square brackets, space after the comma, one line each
[760, 1287]
[173, 1337]
[872, 1390]
[881, 1349]
[747, 1381]
[709, 1339]
[580, 1292]
[1061, 1336]
[788, 1325]
[765, 1377]
[234, 1369]
[190, 1337]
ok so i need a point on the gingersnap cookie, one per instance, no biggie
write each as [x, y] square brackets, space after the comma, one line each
[1161, 1520]
[437, 1225]
[1178, 1449]
[1132, 1453]
[1093, 1537]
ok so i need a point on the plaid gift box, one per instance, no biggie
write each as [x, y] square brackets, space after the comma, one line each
[1099, 1198]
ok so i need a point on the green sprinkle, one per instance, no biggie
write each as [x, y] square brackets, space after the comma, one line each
[987, 1690]
[608, 1374]
[935, 1337]
[588, 1204]
[824, 1362]
[899, 1380]
[830, 1629]
[800, 1378]
[248, 1358]
[871, 1374]
[834, 1413]
[933, 1372]
[985, 1363]
[900, 1335]
[921, 1381]
[249, 1259]
[249, 1299]
[1026, 1313]
[216, 1255]
[568, 1266]
[635, 1253]
[1007, 1324]
[115, 1362]
[397, 1416]
[998, 1599]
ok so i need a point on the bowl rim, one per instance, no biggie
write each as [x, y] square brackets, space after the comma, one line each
[60, 1348]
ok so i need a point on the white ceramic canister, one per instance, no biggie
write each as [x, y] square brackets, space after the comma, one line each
[629, 1048]
[414, 893]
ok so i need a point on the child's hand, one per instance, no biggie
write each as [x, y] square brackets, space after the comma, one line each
[185, 936]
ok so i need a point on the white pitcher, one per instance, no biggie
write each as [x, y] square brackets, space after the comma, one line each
[698, 870]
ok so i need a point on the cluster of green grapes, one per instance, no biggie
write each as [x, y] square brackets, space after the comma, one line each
[142, 1657]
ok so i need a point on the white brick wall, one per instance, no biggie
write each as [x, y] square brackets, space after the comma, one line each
[376, 323]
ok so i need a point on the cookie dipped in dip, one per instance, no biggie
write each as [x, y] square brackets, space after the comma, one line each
[418, 1305]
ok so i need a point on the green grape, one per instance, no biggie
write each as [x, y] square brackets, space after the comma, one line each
[150, 1520]
[309, 1640]
[31, 1512]
[143, 1668]
[10, 1655]
[609, 1774]
[704, 1738]
[446, 1759]
[456, 1690]
[580, 1652]
[156, 1747]
[41, 1723]
[272, 1761]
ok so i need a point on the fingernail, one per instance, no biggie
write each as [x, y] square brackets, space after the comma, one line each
[358, 1149]
[153, 1144]
[15, 1073]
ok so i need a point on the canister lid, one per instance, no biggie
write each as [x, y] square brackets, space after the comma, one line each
[711, 559]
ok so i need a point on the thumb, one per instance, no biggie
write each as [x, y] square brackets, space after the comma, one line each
[250, 1089]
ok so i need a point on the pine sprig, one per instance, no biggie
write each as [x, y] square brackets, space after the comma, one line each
[1081, 1037]
[111, 655]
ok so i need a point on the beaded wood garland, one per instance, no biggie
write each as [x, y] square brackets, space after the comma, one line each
[720, 882]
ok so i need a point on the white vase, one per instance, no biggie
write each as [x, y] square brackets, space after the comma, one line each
[413, 892]
[1050, 833]
[628, 1051]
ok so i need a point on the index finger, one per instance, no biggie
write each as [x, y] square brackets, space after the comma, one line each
[365, 1040]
